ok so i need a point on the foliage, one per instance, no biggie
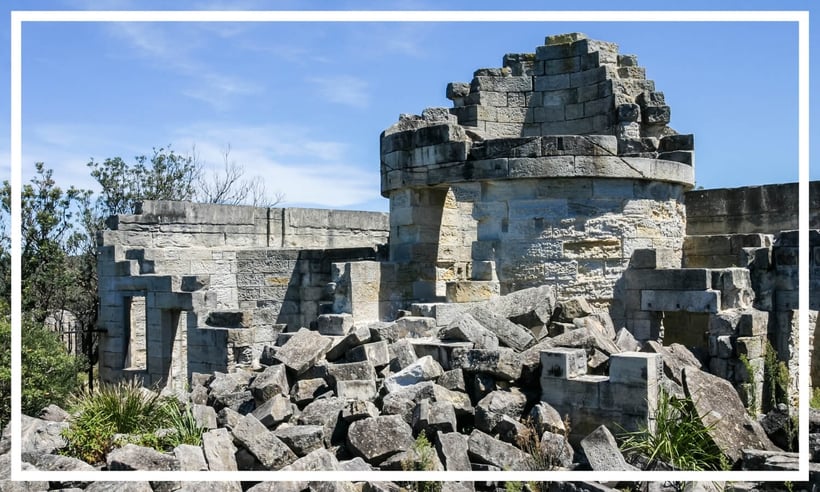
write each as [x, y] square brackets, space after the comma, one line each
[680, 437]
[775, 378]
[230, 186]
[49, 374]
[5, 365]
[421, 458]
[127, 408]
[749, 387]
[815, 398]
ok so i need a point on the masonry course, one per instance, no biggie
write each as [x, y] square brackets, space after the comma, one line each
[544, 240]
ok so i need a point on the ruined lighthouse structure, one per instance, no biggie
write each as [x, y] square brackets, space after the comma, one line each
[553, 170]
[547, 206]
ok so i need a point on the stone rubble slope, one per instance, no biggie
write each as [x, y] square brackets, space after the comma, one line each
[470, 385]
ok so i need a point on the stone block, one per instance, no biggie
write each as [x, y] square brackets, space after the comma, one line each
[377, 353]
[497, 404]
[431, 417]
[452, 447]
[274, 411]
[510, 334]
[424, 369]
[501, 84]
[301, 439]
[563, 363]
[303, 350]
[501, 363]
[636, 368]
[335, 324]
[356, 337]
[471, 290]
[602, 452]
[219, 450]
[466, 328]
[707, 301]
[360, 390]
[486, 449]
[271, 452]
[664, 258]
[376, 439]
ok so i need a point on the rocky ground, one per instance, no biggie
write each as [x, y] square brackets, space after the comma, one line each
[357, 397]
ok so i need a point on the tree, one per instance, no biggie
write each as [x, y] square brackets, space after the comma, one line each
[229, 186]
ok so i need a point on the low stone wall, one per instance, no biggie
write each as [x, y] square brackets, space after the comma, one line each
[748, 210]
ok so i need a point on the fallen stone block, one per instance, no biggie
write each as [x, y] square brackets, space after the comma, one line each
[723, 414]
[452, 450]
[586, 338]
[303, 350]
[675, 358]
[54, 462]
[274, 411]
[219, 450]
[402, 401]
[357, 336]
[239, 401]
[493, 407]
[222, 383]
[402, 354]
[357, 410]
[626, 342]
[133, 457]
[602, 452]
[204, 415]
[510, 334]
[271, 452]
[301, 439]
[320, 459]
[190, 458]
[431, 417]
[307, 390]
[424, 369]
[227, 418]
[334, 324]
[487, 449]
[569, 309]
[546, 418]
[271, 381]
[452, 380]
[377, 353]
[378, 438]
[510, 430]
[501, 363]
[357, 389]
[466, 328]
[556, 448]
[527, 307]
[350, 371]
[408, 327]
[440, 350]
[53, 413]
[356, 464]
[41, 436]
[459, 400]
[327, 413]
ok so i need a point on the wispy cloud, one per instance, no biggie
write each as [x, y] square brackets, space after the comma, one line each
[310, 171]
[178, 53]
[343, 89]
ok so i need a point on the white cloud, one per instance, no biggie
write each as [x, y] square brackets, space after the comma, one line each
[309, 171]
[343, 89]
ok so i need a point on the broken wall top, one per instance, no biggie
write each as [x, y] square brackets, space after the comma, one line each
[574, 108]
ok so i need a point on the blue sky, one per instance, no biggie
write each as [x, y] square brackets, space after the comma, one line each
[302, 105]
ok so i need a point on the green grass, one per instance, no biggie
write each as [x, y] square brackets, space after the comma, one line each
[125, 408]
[680, 437]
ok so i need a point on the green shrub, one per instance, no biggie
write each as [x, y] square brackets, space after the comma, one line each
[49, 373]
[421, 458]
[775, 378]
[815, 398]
[680, 437]
[126, 408]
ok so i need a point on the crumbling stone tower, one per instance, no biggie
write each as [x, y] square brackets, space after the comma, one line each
[550, 170]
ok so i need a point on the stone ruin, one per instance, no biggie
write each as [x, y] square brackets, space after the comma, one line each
[543, 247]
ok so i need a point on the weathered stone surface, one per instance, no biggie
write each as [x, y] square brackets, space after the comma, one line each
[357, 410]
[205, 416]
[569, 309]
[424, 369]
[584, 337]
[53, 413]
[223, 383]
[777, 425]
[556, 447]
[190, 458]
[486, 449]
[377, 353]
[357, 389]
[302, 439]
[510, 334]
[53, 462]
[306, 390]
[528, 307]
[272, 381]
[133, 457]
[320, 459]
[402, 401]
[493, 407]
[219, 450]
[303, 350]
[452, 447]
[119, 487]
[408, 327]
[41, 436]
[719, 406]
[502, 363]
[335, 324]
[452, 380]
[239, 401]
[325, 412]
[675, 358]
[357, 336]
[228, 418]
[601, 450]
[271, 452]
[274, 411]
[356, 464]
[434, 416]
[350, 371]
[546, 418]
[378, 438]
[459, 400]
[466, 328]
[755, 459]
[626, 342]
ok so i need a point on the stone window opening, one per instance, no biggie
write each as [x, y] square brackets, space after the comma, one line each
[134, 337]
